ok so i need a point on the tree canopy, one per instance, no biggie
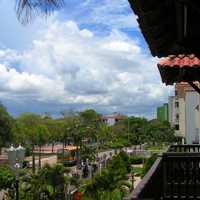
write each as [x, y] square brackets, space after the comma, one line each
[6, 124]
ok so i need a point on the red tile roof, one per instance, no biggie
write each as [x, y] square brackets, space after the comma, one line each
[180, 61]
[181, 68]
[118, 116]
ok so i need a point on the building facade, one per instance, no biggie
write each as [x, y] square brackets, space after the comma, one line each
[184, 114]
[112, 119]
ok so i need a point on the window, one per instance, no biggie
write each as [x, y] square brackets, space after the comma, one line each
[176, 92]
[177, 127]
[176, 104]
[177, 117]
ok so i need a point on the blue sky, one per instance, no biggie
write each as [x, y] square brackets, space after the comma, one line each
[90, 54]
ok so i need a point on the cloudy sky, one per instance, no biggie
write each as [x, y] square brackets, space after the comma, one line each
[90, 54]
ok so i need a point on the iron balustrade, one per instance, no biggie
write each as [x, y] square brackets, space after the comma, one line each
[174, 175]
[184, 148]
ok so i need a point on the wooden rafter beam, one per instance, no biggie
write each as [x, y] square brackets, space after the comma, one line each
[196, 88]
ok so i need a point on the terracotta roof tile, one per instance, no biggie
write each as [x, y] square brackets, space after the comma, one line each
[180, 61]
[181, 68]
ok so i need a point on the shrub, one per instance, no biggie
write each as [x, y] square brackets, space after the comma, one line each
[7, 178]
[137, 160]
[138, 171]
[109, 180]
[148, 164]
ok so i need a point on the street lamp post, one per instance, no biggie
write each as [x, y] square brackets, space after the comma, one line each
[15, 158]
[132, 180]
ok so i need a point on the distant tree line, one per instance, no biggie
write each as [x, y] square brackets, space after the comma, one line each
[80, 129]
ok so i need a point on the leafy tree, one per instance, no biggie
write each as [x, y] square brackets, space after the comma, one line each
[110, 179]
[159, 132]
[7, 178]
[89, 116]
[6, 123]
[42, 135]
[30, 122]
[135, 130]
[148, 164]
[19, 133]
[87, 152]
[50, 182]
[55, 176]
[55, 130]
[104, 133]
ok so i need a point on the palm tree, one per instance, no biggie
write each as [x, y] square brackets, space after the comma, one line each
[56, 177]
[104, 134]
[49, 183]
[27, 9]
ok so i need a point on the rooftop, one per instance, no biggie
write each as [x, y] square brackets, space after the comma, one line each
[180, 68]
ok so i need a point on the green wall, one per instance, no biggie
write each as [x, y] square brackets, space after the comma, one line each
[162, 112]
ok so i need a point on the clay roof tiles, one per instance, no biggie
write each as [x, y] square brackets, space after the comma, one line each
[181, 68]
[180, 61]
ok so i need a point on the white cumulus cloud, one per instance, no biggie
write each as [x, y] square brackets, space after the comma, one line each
[72, 66]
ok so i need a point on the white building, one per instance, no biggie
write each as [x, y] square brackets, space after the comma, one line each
[171, 110]
[177, 115]
[112, 119]
[192, 102]
[184, 114]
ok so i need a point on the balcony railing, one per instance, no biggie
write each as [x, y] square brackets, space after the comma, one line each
[174, 175]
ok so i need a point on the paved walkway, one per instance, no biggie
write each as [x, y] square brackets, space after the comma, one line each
[137, 181]
[51, 160]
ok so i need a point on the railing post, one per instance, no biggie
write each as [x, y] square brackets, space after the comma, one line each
[164, 175]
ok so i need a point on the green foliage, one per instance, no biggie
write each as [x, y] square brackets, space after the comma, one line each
[42, 134]
[6, 123]
[50, 182]
[134, 130]
[159, 131]
[7, 178]
[148, 164]
[137, 160]
[106, 195]
[138, 171]
[28, 123]
[88, 152]
[54, 175]
[27, 150]
[89, 116]
[110, 179]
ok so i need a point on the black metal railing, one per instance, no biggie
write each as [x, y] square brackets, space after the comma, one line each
[184, 148]
[174, 175]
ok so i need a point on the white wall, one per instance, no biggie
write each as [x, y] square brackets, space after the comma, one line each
[111, 121]
[171, 113]
[182, 123]
[192, 100]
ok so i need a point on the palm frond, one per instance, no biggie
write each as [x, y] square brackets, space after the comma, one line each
[27, 9]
